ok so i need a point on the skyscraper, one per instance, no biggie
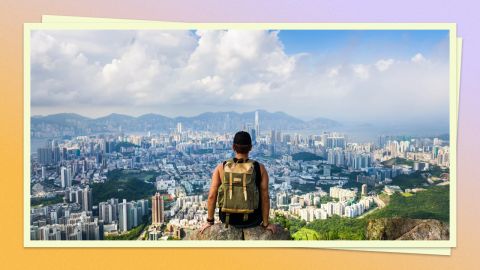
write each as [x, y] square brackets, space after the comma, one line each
[253, 134]
[335, 140]
[257, 124]
[44, 173]
[87, 199]
[327, 170]
[45, 156]
[105, 212]
[63, 177]
[179, 127]
[157, 209]
[123, 216]
[69, 176]
[364, 189]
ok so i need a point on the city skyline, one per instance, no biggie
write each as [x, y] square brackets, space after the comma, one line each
[94, 73]
[229, 122]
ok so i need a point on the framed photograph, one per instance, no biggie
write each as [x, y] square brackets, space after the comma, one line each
[240, 135]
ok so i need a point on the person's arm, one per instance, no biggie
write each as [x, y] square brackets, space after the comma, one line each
[264, 195]
[265, 201]
[212, 195]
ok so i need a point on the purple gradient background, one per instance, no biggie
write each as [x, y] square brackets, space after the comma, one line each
[464, 13]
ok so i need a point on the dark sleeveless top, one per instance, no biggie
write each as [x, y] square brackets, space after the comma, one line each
[255, 218]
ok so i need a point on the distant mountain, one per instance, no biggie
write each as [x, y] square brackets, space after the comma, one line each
[116, 118]
[212, 121]
[322, 123]
[61, 118]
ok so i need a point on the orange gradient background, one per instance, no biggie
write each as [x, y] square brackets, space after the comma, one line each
[14, 256]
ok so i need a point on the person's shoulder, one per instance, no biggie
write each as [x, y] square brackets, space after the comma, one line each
[259, 165]
[220, 166]
[262, 167]
[254, 162]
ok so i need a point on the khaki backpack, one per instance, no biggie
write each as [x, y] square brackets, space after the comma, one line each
[238, 192]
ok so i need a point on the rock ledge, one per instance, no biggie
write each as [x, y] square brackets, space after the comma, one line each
[407, 229]
[219, 232]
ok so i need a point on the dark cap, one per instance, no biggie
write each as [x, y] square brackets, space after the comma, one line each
[242, 138]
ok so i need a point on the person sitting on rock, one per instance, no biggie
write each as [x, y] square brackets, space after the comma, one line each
[240, 187]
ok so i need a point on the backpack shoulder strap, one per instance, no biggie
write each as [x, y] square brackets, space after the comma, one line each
[228, 161]
[258, 174]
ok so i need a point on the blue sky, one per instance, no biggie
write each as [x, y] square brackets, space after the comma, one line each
[366, 45]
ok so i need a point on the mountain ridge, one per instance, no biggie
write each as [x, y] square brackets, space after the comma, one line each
[211, 121]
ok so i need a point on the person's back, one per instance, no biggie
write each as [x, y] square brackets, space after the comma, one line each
[240, 186]
[236, 218]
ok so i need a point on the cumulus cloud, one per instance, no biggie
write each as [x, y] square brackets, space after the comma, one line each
[384, 64]
[251, 91]
[333, 72]
[418, 58]
[361, 71]
[189, 72]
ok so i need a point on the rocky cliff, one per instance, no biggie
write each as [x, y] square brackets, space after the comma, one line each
[219, 232]
[377, 229]
[407, 229]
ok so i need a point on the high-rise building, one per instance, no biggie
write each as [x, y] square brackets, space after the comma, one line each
[105, 212]
[281, 199]
[336, 157]
[279, 136]
[87, 199]
[132, 215]
[364, 189]
[257, 124]
[253, 134]
[179, 127]
[45, 155]
[56, 157]
[44, 173]
[63, 177]
[69, 176]
[157, 209]
[272, 136]
[123, 216]
[335, 140]
[114, 203]
[327, 170]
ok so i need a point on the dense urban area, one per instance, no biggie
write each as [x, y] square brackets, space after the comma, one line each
[153, 186]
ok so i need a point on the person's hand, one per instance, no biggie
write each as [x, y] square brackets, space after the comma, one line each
[205, 226]
[271, 227]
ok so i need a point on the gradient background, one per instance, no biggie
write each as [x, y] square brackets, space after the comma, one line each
[15, 13]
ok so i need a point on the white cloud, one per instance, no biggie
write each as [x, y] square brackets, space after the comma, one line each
[251, 91]
[384, 64]
[418, 58]
[211, 84]
[361, 71]
[189, 72]
[333, 72]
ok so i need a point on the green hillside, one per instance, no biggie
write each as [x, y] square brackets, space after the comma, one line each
[397, 161]
[306, 156]
[412, 180]
[122, 184]
[432, 203]
[334, 228]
